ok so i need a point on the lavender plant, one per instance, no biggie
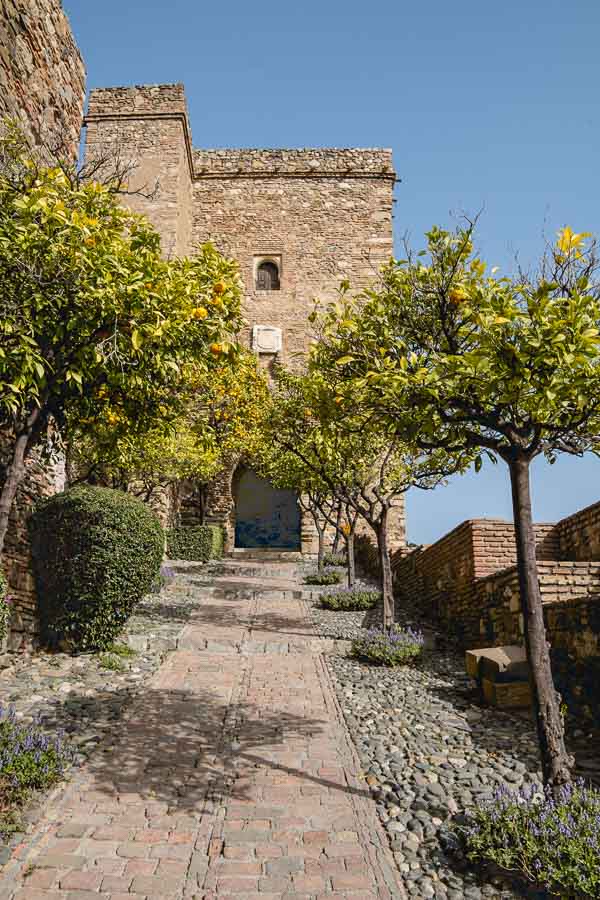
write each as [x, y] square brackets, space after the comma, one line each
[29, 760]
[325, 578]
[349, 599]
[4, 607]
[552, 840]
[334, 559]
[162, 580]
[388, 647]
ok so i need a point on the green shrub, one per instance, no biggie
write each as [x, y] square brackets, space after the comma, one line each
[393, 647]
[553, 842]
[4, 607]
[29, 760]
[197, 543]
[349, 599]
[323, 578]
[96, 553]
[334, 559]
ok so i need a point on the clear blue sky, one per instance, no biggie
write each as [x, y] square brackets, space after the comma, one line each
[491, 106]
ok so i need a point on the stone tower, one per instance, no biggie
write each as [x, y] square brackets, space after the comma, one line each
[297, 221]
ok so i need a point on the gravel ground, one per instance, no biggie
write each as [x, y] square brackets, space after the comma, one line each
[429, 751]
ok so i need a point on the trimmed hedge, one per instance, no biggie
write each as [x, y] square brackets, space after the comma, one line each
[196, 543]
[96, 553]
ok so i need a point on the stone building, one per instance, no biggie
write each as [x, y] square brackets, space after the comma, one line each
[297, 221]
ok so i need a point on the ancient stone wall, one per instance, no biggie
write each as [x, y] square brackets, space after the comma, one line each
[145, 129]
[321, 215]
[42, 85]
[42, 75]
[579, 534]
[41, 480]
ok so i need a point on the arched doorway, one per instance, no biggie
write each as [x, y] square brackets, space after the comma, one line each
[264, 515]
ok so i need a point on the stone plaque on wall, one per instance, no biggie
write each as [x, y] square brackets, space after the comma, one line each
[266, 339]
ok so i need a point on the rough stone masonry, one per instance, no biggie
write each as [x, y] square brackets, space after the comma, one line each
[314, 216]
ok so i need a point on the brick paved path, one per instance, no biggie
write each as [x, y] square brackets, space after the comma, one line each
[233, 777]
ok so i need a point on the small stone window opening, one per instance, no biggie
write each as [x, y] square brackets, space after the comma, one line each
[267, 276]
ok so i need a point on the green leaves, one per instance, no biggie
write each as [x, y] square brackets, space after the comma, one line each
[96, 328]
[448, 356]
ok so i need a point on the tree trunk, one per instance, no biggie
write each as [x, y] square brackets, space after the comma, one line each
[350, 562]
[14, 476]
[321, 553]
[338, 529]
[386, 570]
[321, 535]
[202, 492]
[556, 763]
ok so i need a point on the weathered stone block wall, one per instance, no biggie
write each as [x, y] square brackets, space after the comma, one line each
[146, 130]
[323, 215]
[441, 577]
[42, 85]
[41, 480]
[42, 75]
[467, 585]
[579, 534]
[571, 597]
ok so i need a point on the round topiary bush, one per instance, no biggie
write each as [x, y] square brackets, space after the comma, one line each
[96, 553]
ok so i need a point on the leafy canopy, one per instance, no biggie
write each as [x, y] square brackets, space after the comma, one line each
[449, 355]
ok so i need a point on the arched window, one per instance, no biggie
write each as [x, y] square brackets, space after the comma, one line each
[267, 277]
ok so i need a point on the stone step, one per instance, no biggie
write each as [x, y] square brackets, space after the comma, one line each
[266, 555]
[235, 568]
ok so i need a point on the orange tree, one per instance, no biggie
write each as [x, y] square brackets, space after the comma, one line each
[221, 409]
[323, 441]
[446, 356]
[93, 321]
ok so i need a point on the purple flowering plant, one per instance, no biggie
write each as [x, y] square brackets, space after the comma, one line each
[348, 599]
[5, 601]
[551, 840]
[30, 760]
[330, 577]
[389, 647]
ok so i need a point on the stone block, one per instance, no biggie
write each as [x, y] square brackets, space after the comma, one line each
[511, 694]
[498, 664]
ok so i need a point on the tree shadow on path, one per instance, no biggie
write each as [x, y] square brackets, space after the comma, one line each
[183, 747]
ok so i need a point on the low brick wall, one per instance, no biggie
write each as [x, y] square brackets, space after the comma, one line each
[579, 534]
[466, 584]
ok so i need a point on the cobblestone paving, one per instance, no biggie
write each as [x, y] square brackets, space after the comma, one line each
[231, 775]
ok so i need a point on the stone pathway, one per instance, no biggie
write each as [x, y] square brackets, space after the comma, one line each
[232, 774]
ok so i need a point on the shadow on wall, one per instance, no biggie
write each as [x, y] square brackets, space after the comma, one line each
[265, 516]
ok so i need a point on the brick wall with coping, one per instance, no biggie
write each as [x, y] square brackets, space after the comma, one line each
[466, 584]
